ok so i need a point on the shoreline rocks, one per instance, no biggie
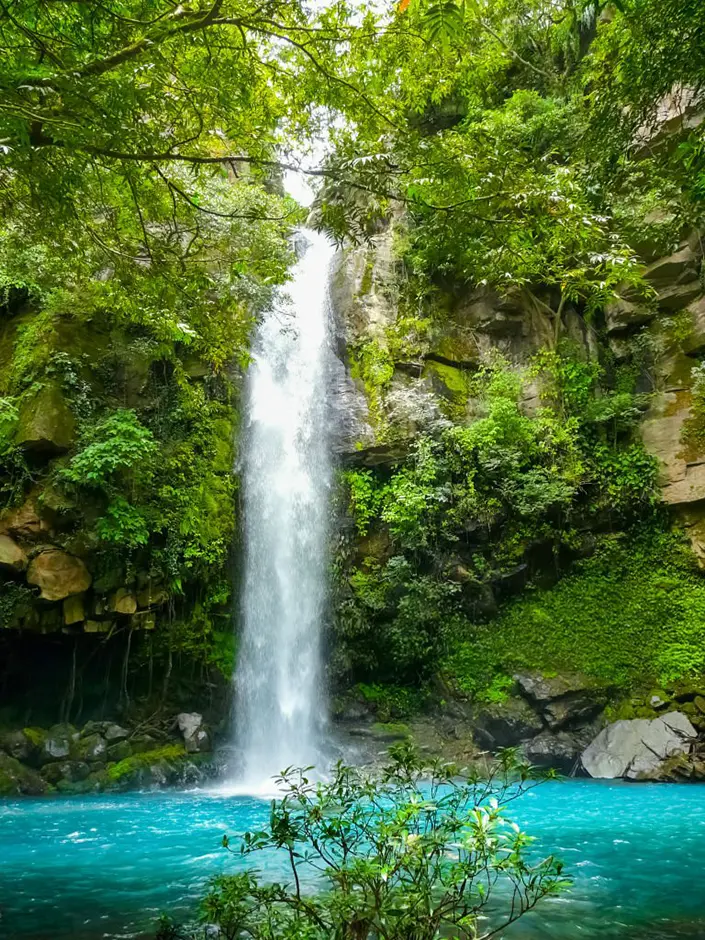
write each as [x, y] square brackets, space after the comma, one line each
[638, 749]
[102, 756]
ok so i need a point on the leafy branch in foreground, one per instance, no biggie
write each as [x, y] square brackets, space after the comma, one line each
[421, 851]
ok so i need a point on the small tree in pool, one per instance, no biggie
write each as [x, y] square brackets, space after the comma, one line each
[418, 852]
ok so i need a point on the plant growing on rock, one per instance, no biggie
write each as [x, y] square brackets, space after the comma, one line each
[422, 851]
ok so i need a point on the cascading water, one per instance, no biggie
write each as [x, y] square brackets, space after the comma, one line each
[286, 483]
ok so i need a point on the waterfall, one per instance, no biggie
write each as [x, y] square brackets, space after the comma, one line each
[286, 482]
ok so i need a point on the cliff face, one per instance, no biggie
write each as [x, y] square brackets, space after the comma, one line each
[117, 449]
[523, 493]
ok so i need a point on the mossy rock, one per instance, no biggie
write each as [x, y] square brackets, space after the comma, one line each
[136, 770]
[16, 779]
[46, 423]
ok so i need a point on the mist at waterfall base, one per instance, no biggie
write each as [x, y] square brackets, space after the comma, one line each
[279, 712]
[106, 866]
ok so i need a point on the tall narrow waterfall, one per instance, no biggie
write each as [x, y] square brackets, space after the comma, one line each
[286, 480]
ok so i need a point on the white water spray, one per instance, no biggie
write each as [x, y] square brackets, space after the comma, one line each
[286, 483]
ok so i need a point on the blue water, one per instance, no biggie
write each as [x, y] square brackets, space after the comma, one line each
[105, 866]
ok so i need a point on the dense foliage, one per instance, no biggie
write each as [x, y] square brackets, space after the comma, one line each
[513, 146]
[423, 851]
[445, 532]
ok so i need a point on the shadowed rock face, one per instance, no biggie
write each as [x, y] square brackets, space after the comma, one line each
[637, 748]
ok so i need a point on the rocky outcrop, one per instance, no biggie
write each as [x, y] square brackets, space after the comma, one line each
[46, 423]
[506, 724]
[12, 557]
[58, 575]
[196, 738]
[637, 749]
[102, 755]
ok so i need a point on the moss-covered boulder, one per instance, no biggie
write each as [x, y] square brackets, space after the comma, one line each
[16, 779]
[157, 767]
[46, 423]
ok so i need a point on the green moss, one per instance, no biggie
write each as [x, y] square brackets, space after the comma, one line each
[35, 736]
[455, 385]
[125, 768]
[632, 615]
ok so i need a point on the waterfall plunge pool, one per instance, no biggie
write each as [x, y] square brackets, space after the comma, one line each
[106, 866]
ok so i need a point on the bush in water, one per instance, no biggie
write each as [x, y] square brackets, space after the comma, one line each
[420, 851]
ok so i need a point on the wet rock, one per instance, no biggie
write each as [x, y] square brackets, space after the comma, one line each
[195, 736]
[57, 744]
[46, 423]
[16, 779]
[11, 555]
[58, 575]
[506, 724]
[115, 732]
[121, 750]
[637, 748]
[23, 745]
[70, 770]
[560, 749]
[92, 747]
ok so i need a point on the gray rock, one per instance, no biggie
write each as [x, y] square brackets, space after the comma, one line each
[92, 747]
[505, 724]
[196, 737]
[540, 688]
[19, 745]
[567, 699]
[68, 770]
[560, 750]
[114, 733]
[57, 744]
[634, 749]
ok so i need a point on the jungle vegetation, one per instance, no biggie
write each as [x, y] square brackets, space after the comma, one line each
[515, 144]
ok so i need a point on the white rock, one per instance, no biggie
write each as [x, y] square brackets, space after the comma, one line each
[189, 723]
[633, 748]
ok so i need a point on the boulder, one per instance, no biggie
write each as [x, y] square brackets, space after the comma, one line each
[118, 751]
[92, 747]
[24, 522]
[58, 575]
[541, 688]
[635, 749]
[195, 736]
[68, 770]
[45, 422]
[682, 265]
[558, 749]
[16, 779]
[11, 555]
[57, 744]
[123, 601]
[505, 724]
[73, 609]
[115, 732]
[23, 745]
[565, 699]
